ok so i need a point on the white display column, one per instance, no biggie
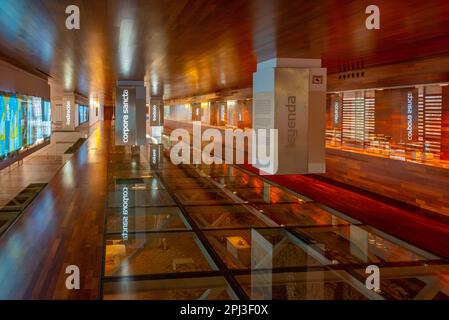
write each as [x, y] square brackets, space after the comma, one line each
[290, 95]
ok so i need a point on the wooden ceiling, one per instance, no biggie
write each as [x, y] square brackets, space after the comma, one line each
[190, 47]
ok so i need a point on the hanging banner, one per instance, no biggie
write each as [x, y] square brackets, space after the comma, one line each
[410, 114]
[68, 112]
[125, 116]
[156, 112]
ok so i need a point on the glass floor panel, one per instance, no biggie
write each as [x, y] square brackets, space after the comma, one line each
[224, 217]
[129, 174]
[397, 283]
[361, 244]
[223, 170]
[204, 288]
[145, 219]
[243, 181]
[202, 197]
[175, 173]
[189, 183]
[139, 198]
[150, 253]
[220, 232]
[302, 214]
[308, 285]
[260, 249]
[423, 282]
[268, 194]
[130, 167]
[141, 182]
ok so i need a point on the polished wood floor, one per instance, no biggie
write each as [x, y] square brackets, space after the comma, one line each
[39, 167]
[63, 226]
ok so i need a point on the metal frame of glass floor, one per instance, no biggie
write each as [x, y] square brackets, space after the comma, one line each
[220, 232]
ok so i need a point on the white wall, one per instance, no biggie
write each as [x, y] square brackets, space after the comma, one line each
[15, 80]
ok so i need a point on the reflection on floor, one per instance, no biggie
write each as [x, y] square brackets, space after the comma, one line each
[221, 232]
[63, 226]
[39, 167]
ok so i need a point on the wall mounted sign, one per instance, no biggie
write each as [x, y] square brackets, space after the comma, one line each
[125, 212]
[130, 120]
[125, 118]
[156, 157]
[334, 112]
[411, 115]
[156, 112]
[68, 112]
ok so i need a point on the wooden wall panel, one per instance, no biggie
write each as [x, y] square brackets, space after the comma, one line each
[385, 113]
[15, 80]
[420, 185]
[429, 70]
[197, 46]
[196, 111]
[108, 112]
[245, 108]
[214, 113]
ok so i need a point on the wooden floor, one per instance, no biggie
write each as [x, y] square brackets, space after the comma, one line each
[39, 167]
[63, 226]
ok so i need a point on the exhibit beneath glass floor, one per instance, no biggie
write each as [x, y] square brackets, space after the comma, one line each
[222, 232]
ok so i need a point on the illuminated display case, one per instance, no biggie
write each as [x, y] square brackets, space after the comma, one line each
[24, 122]
[404, 123]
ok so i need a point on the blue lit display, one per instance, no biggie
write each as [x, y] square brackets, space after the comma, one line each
[24, 121]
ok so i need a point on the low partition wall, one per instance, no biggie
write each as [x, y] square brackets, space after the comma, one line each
[421, 185]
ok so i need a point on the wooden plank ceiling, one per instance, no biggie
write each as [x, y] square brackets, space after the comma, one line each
[190, 47]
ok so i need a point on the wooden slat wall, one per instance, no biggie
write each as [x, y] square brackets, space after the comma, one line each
[429, 70]
[433, 118]
[445, 125]
[416, 184]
